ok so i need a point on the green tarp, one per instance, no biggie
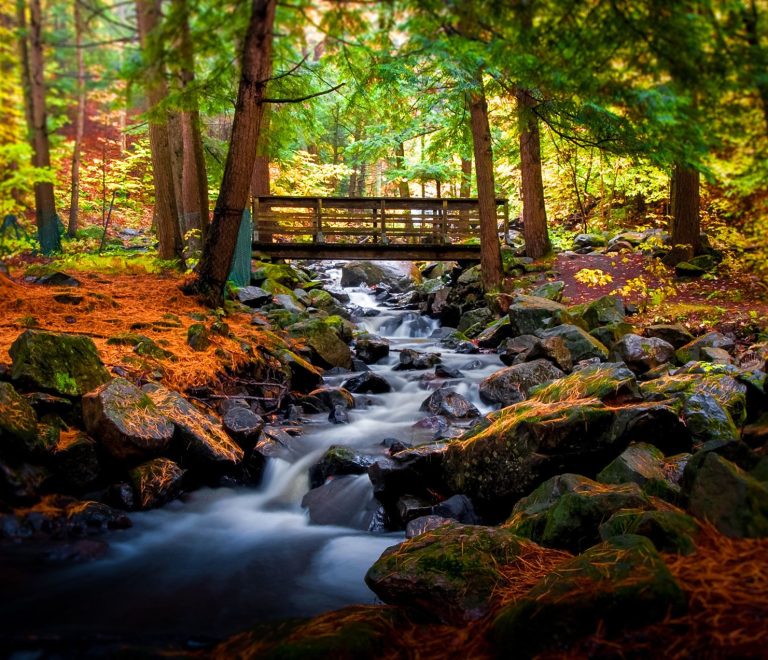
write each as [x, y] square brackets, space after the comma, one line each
[240, 275]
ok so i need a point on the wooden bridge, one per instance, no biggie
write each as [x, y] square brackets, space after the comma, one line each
[370, 227]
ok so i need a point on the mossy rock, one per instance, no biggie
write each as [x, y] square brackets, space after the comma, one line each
[620, 583]
[338, 460]
[156, 482]
[18, 422]
[283, 274]
[566, 510]
[64, 364]
[449, 573]
[644, 465]
[691, 351]
[607, 382]
[513, 384]
[321, 336]
[142, 345]
[580, 344]
[198, 337]
[529, 314]
[669, 531]
[609, 334]
[275, 288]
[301, 374]
[550, 291]
[604, 310]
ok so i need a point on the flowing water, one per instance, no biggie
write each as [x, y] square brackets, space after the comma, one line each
[223, 559]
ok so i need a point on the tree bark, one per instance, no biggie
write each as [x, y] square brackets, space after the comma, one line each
[490, 252]
[402, 185]
[534, 211]
[686, 225]
[45, 203]
[219, 248]
[74, 203]
[166, 206]
[260, 179]
[465, 189]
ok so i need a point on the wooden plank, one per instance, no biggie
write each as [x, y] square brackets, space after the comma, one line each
[369, 251]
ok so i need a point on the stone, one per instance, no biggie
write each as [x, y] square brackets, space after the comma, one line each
[449, 573]
[609, 381]
[717, 355]
[20, 483]
[327, 347]
[450, 404]
[691, 351]
[424, 524]
[76, 459]
[604, 310]
[338, 415]
[620, 583]
[512, 384]
[338, 460]
[198, 337]
[519, 349]
[566, 511]
[304, 377]
[579, 343]
[494, 333]
[367, 383]
[254, 296]
[327, 398]
[199, 438]
[458, 508]
[339, 502]
[609, 334]
[68, 365]
[588, 241]
[283, 274]
[57, 278]
[441, 371]
[722, 493]
[371, 349]
[355, 273]
[642, 354]
[550, 291]
[243, 425]
[482, 316]
[18, 422]
[156, 482]
[126, 421]
[675, 334]
[411, 360]
[707, 420]
[528, 314]
[142, 345]
[644, 465]
[669, 531]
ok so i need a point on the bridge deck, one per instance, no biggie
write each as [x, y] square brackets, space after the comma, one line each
[369, 227]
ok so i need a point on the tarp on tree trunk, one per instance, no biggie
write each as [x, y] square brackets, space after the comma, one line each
[240, 275]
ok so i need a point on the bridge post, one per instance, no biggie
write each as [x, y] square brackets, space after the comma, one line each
[318, 237]
[255, 214]
[506, 220]
[384, 238]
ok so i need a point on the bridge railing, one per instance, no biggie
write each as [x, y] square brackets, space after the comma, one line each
[372, 220]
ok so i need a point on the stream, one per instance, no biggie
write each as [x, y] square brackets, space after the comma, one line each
[220, 560]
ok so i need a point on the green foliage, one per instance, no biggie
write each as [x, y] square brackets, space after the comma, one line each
[303, 175]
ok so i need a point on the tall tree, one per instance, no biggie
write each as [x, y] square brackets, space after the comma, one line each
[490, 252]
[74, 204]
[220, 245]
[166, 208]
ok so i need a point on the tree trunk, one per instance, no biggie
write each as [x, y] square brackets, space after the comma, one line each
[45, 203]
[686, 225]
[490, 252]
[166, 208]
[534, 211]
[176, 144]
[260, 179]
[361, 187]
[219, 248]
[74, 204]
[402, 185]
[465, 190]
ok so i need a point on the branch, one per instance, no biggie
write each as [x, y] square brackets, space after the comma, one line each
[304, 98]
[290, 71]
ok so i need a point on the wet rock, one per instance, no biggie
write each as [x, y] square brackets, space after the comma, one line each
[329, 350]
[57, 517]
[603, 311]
[326, 399]
[287, 302]
[198, 337]
[76, 459]
[78, 551]
[644, 465]
[276, 443]
[367, 383]
[243, 425]
[609, 334]
[20, 483]
[338, 460]
[304, 377]
[254, 296]
[707, 420]
[519, 349]
[620, 583]
[126, 421]
[199, 438]
[579, 343]
[449, 573]
[657, 423]
[607, 381]
[338, 502]
[338, 415]
[583, 243]
[64, 364]
[57, 278]
[512, 384]
[371, 349]
[481, 316]
[450, 404]
[528, 314]
[18, 422]
[424, 524]
[410, 508]
[68, 298]
[669, 531]
[717, 355]
[495, 333]
[722, 493]
[156, 482]
[566, 511]
[692, 350]
[458, 508]
[675, 334]
[121, 496]
[550, 291]
[142, 345]
[642, 353]
[441, 371]
[411, 360]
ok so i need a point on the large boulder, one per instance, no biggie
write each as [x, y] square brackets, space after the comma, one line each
[604, 310]
[450, 573]
[566, 511]
[415, 360]
[607, 382]
[642, 354]
[620, 583]
[243, 425]
[156, 482]
[450, 404]
[327, 347]
[512, 384]
[126, 421]
[18, 421]
[731, 499]
[692, 350]
[76, 459]
[65, 364]
[337, 461]
[355, 273]
[367, 383]
[495, 333]
[371, 349]
[646, 466]
[675, 334]
[669, 531]
[580, 344]
[200, 439]
[528, 314]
